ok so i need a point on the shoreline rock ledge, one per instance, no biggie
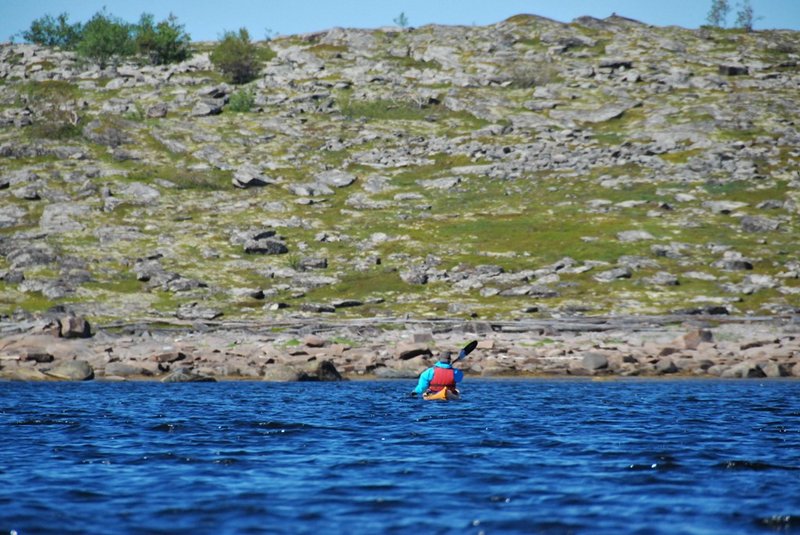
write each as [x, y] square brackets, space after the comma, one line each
[315, 351]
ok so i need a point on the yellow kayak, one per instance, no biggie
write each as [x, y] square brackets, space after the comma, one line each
[445, 394]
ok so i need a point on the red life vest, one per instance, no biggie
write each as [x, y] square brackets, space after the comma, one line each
[442, 378]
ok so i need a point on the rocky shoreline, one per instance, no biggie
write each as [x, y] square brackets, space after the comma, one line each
[68, 348]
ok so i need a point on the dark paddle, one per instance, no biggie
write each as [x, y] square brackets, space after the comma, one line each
[466, 350]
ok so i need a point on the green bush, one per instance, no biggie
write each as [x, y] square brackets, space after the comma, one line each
[241, 101]
[106, 39]
[162, 43]
[49, 31]
[236, 57]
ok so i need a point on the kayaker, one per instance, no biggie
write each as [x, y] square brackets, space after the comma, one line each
[440, 375]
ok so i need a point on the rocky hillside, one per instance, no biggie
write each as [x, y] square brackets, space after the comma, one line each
[527, 168]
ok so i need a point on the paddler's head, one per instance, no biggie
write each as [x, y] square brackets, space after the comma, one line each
[445, 357]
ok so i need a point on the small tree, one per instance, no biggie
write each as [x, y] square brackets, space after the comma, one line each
[236, 57]
[162, 43]
[401, 20]
[744, 18]
[53, 106]
[49, 31]
[106, 39]
[718, 14]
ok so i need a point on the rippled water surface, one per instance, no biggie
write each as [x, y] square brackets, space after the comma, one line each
[361, 457]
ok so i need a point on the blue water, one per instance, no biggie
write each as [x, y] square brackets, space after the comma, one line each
[513, 457]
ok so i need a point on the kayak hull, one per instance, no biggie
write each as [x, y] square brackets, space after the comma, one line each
[445, 394]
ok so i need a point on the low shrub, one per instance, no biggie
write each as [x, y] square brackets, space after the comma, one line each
[241, 101]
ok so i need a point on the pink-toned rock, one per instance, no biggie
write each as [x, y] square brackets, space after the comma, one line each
[312, 340]
[744, 370]
[707, 348]
[72, 370]
[667, 351]
[693, 339]
[337, 350]
[665, 366]
[26, 374]
[168, 356]
[407, 351]
[485, 344]
[773, 369]
[757, 343]
[422, 337]
[755, 353]
[36, 355]
[74, 327]
[122, 369]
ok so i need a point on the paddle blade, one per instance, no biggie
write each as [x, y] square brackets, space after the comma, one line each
[467, 349]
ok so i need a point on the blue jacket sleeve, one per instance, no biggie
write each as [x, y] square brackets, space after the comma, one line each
[458, 375]
[424, 380]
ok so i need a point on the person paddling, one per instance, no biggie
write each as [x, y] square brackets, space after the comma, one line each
[440, 375]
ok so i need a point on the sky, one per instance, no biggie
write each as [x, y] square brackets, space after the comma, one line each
[205, 20]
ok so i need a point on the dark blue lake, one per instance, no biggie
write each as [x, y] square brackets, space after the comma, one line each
[613, 457]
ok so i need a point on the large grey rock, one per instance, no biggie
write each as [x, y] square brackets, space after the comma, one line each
[594, 361]
[759, 224]
[267, 246]
[773, 369]
[280, 373]
[60, 218]
[614, 274]
[121, 369]
[666, 366]
[414, 276]
[140, 193]
[11, 215]
[325, 371]
[157, 111]
[663, 278]
[207, 107]
[186, 375]
[744, 370]
[73, 370]
[338, 179]
[25, 374]
[248, 176]
[724, 207]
